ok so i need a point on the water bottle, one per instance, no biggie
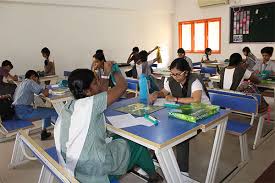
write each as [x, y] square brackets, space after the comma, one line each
[143, 90]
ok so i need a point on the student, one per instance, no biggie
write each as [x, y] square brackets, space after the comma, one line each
[181, 54]
[7, 88]
[81, 144]
[143, 66]
[183, 87]
[98, 68]
[251, 60]
[206, 57]
[49, 67]
[133, 57]
[24, 98]
[233, 75]
[266, 64]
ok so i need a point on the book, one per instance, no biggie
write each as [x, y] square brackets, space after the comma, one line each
[138, 109]
[193, 112]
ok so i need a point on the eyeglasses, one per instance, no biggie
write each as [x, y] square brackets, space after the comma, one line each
[177, 74]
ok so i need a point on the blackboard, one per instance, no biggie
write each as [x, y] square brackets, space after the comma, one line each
[252, 23]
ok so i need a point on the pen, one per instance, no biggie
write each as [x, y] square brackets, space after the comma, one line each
[151, 119]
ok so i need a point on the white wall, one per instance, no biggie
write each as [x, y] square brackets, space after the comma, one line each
[189, 10]
[73, 30]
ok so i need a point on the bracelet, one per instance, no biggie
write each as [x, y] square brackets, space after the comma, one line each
[105, 77]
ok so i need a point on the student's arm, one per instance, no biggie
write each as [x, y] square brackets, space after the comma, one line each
[37, 89]
[130, 58]
[195, 98]
[149, 52]
[14, 78]
[118, 90]
[158, 94]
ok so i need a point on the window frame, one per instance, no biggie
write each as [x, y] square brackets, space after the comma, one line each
[192, 23]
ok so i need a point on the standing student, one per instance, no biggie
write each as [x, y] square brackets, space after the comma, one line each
[24, 98]
[250, 60]
[81, 144]
[206, 57]
[181, 54]
[183, 87]
[5, 87]
[49, 67]
[233, 75]
[266, 64]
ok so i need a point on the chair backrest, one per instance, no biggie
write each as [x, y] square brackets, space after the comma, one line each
[209, 70]
[132, 85]
[57, 170]
[236, 101]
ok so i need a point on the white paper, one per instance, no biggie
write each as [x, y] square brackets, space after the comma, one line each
[162, 101]
[128, 120]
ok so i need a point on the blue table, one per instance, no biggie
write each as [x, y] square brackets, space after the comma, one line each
[169, 133]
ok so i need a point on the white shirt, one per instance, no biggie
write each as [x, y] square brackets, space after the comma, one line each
[139, 67]
[189, 61]
[196, 86]
[228, 77]
[204, 57]
[269, 66]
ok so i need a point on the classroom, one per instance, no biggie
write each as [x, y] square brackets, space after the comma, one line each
[126, 91]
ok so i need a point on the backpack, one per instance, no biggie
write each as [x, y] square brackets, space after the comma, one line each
[6, 108]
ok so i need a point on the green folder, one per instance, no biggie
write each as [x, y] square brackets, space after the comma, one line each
[194, 112]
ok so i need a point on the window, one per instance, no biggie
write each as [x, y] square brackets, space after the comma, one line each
[195, 36]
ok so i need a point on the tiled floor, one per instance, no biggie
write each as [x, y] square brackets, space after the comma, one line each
[200, 150]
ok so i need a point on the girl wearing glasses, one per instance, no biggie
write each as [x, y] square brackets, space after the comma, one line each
[182, 87]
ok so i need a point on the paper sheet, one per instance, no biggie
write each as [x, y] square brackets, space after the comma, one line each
[127, 120]
[161, 102]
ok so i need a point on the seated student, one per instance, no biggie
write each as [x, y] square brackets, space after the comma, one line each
[81, 144]
[98, 68]
[49, 67]
[133, 57]
[206, 57]
[182, 87]
[24, 98]
[266, 64]
[7, 88]
[233, 75]
[144, 67]
[181, 54]
[251, 60]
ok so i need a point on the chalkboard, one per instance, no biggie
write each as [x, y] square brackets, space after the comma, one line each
[252, 23]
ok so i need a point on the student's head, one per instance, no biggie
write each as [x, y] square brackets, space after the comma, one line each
[180, 69]
[135, 50]
[7, 65]
[267, 53]
[246, 51]
[82, 83]
[208, 51]
[235, 59]
[99, 51]
[143, 56]
[181, 52]
[45, 52]
[31, 74]
[98, 60]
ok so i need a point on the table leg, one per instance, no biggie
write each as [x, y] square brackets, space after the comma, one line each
[216, 151]
[169, 165]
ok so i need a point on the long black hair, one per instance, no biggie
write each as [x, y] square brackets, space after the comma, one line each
[206, 52]
[235, 59]
[180, 64]
[80, 80]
